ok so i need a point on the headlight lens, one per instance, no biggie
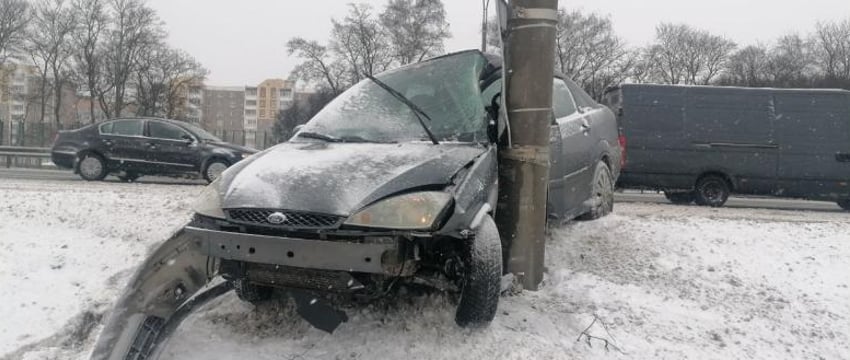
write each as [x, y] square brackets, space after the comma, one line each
[209, 203]
[417, 211]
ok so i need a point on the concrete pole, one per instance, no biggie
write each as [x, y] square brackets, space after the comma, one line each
[524, 165]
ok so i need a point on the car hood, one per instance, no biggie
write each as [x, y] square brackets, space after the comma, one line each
[339, 179]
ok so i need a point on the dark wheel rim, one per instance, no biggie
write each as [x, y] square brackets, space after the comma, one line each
[713, 191]
[91, 167]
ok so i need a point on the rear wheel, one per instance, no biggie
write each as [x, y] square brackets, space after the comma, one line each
[92, 167]
[214, 169]
[481, 287]
[712, 191]
[679, 198]
[845, 204]
[603, 193]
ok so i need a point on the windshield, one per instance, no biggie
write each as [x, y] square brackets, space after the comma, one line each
[446, 89]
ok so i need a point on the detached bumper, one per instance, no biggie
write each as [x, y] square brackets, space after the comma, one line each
[374, 258]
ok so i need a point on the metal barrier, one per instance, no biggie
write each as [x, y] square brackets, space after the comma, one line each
[26, 157]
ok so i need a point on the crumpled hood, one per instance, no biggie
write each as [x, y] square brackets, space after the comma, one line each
[339, 179]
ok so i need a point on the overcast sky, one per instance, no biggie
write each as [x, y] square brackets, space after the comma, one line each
[242, 41]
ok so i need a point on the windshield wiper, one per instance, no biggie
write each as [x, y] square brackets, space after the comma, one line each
[416, 110]
[342, 139]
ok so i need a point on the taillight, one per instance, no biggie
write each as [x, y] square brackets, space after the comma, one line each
[622, 141]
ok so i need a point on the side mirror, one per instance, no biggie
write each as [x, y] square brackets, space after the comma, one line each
[187, 139]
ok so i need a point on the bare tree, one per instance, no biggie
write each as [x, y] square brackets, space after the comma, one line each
[360, 41]
[93, 21]
[590, 52]
[135, 30]
[163, 82]
[748, 67]
[318, 65]
[14, 16]
[682, 54]
[417, 29]
[48, 46]
[790, 62]
[832, 50]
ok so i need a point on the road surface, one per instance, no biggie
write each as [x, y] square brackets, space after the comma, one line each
[627, 196]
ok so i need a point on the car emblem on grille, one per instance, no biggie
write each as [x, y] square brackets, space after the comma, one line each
[277, 218]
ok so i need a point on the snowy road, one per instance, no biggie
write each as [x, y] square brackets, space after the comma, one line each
[668, 282]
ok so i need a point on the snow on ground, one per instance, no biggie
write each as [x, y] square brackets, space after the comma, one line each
[664, 281]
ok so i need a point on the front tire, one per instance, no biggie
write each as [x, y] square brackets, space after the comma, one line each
[479, 298]
[214, 169]
[92, 167]
[844, 204]
[603, 193]
[712, 191]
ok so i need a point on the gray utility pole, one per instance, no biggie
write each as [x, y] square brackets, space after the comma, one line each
[524, 165]
[484, 19]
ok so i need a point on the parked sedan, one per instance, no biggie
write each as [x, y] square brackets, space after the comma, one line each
[133, 147]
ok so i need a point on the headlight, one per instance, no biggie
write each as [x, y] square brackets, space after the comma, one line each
[417, 211]
[209, 203]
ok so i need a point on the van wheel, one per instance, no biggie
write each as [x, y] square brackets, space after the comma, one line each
[92, 167]
[603, 193]
[712, 191]
[479, 297]
[251, 293]
[845, 204]
[679, 198]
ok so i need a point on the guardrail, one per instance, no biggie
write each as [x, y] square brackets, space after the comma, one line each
[26, 157]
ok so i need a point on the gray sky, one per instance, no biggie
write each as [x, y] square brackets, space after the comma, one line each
[242, 41]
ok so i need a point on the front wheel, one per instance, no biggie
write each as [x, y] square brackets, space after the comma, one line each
[92, 167]
[214, 170]
[845, 204]
[602, 200]
[479, 298]
[712, 191]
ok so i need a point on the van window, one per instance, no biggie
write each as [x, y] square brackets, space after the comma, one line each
[562, 102]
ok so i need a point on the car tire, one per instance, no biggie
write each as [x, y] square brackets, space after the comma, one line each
[844, 204]
[602, 195]
[214, 169]
[680, 198]
[252, 293]
[92, 167]
[712, 191]
[481, 284]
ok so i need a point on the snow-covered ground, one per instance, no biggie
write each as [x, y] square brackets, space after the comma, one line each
[661, 281]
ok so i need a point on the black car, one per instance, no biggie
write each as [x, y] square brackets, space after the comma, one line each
[394, 182]
[133, 147]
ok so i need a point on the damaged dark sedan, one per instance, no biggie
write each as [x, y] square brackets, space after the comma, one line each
[394, 182]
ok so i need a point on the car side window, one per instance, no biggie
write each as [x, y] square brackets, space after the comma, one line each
[106, 128]
[562, 102]
[127, 128]
[581, 97]
[160, 130]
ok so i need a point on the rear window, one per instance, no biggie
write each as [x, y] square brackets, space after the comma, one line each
[123, 128]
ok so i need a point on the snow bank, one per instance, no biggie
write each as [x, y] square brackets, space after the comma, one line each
[664, 282]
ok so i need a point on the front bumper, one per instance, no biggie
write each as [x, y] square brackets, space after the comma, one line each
[378, 257]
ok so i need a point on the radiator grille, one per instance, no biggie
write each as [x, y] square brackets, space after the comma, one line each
[284, 219]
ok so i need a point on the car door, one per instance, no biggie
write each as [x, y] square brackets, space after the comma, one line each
[171, 148]
[123, 143]
[574, 130]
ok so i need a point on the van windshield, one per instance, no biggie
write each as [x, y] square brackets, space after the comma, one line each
[445, 88]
